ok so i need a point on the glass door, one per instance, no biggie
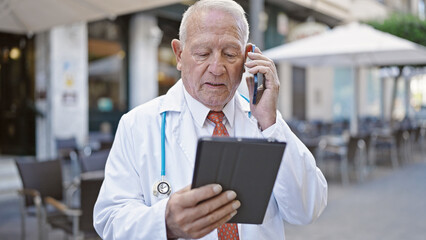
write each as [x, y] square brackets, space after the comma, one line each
[17, 108]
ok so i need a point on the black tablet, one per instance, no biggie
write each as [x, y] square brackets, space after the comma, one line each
[249, 166]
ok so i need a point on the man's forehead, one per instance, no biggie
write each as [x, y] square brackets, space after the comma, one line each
[213, 21]
[198, 43]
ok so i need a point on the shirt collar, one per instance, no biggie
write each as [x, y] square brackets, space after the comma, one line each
[199, 111]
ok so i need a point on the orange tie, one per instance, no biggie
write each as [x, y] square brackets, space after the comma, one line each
[227, 230]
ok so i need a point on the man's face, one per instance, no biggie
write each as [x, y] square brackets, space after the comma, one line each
[212, 60]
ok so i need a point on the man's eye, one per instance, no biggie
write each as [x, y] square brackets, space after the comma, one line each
[202, 54]
[230, 55]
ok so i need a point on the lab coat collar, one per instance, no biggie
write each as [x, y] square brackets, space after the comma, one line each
[242, 103]
[199, 112]
[174, 98]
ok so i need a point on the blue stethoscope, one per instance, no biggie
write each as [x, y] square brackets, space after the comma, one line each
[163, 188]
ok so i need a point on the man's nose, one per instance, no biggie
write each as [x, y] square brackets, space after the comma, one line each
[216, 66]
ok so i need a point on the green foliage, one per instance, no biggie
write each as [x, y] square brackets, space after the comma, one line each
[405, 26]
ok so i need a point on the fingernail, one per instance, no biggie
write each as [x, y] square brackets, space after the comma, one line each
[233, 213]
[231, 195]
[236, 204]
[217, 188]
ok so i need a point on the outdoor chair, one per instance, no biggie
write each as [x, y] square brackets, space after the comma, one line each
[95, 161]
[79, 225]
[100, 140]
[30, 203]
[383, 141]
[403, 143]
[65, 146]
[420, 139]
[68, 151]
[40, 179]
[348, 153]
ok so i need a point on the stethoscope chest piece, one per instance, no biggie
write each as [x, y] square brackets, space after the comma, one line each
[161, 188]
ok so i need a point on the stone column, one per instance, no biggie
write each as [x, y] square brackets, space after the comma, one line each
[143, 59]
[61, 87]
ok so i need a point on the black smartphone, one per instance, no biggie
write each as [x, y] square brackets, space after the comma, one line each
[256, 82]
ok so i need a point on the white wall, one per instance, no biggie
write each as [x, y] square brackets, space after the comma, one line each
[387, 96]
[364, 10]
[143, 63]
[45, 148]
[285, 102]
[369, 97]
[319, 93]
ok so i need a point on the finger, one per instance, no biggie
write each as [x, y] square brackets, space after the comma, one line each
[209, 228]
[217, 224]
[258, 56]
[185, 189]
[196, 195]
[211, 205]
[270, 79]
[257, 50]
[260, 62]
[216, 215]
[260, 69]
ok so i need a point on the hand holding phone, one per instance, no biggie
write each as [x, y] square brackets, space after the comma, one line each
[264, 87]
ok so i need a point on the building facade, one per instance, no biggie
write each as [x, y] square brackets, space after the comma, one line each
[80, 78]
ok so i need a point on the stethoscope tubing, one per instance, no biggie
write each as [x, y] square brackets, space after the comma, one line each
[163, 144]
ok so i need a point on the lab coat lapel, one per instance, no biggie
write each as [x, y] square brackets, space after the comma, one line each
[244, 128]
[180, 122]
[185, 135]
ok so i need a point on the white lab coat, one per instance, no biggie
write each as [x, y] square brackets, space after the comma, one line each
[126, 208]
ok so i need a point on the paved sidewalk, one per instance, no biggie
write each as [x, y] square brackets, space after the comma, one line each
[390, 206]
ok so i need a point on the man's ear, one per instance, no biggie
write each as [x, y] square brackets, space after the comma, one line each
[247, 50]
[177, 49]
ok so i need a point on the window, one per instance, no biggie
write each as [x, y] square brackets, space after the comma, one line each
[422, 9]
[108, 84]
[167, 72]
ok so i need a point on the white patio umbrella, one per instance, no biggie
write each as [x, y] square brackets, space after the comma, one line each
[31, 16]
[354, 45]
[350, 45]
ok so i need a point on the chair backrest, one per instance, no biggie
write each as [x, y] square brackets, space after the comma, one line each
[106, 145]
[95, 161]
[90, 185]
[43, 176]
[352, 147]
[66, 145]
[400, 136]
[100, 140]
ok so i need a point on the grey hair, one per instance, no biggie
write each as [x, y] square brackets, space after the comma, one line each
[227, 6]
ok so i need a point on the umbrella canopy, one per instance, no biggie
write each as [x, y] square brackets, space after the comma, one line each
[354, 45]
[350, 45]
[31, 16]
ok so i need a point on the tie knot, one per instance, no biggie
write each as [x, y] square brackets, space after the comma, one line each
[216, 117]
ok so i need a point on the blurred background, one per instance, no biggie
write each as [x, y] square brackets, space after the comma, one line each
[353, 88]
